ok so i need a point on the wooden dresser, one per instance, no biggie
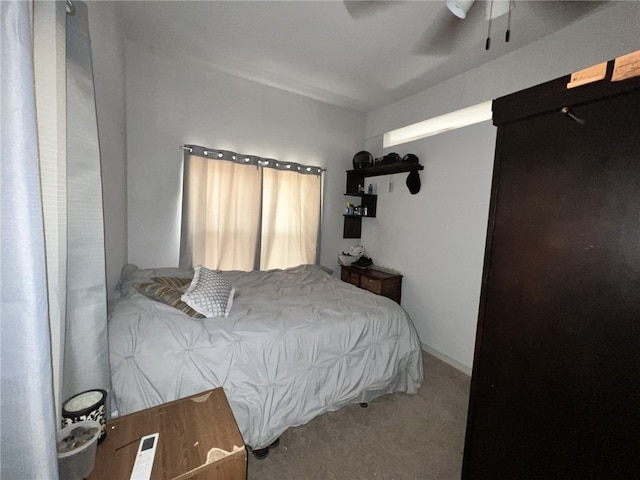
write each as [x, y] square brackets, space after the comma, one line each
[199, 439]
[382, 283]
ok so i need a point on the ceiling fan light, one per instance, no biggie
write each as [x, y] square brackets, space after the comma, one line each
[459, 8]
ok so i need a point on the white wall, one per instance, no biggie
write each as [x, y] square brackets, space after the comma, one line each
[107, 45]
[436, 238]
[174, 101]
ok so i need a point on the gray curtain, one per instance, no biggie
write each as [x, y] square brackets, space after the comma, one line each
[86, 352]
[28, 447]
[28, 418]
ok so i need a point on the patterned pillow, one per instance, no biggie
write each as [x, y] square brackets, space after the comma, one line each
[209, 293]
[175, 282]
[167, 294]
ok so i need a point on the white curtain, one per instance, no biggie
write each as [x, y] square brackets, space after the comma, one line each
[290, 218]
[246, 213]
[28, 425]
[221, 214]
[53, 301]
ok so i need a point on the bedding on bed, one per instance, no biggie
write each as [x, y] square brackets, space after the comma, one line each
[296, 343]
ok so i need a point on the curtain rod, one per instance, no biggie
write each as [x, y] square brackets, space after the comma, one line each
[217, 154]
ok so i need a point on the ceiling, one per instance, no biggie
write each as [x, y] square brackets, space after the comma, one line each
[358, 54]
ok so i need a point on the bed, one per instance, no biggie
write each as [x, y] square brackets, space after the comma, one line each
[296, 343]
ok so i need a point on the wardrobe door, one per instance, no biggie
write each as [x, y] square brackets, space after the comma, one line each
[556, 384]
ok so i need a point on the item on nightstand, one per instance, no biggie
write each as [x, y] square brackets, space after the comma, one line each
[346, 259]
[87, 405]
[76, 446]
[362, 262]
[352, 255]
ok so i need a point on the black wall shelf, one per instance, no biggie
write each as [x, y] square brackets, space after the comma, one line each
[388, 169]
[353, 223]
[366, 200]
[355, 186]
[355, 178]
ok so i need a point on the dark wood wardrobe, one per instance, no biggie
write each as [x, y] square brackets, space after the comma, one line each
[555, 389]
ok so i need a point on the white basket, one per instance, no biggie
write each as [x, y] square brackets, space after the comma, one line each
[347, 259]
[78, 463]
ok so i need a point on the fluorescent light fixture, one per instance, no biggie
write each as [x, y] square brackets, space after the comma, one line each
[443, 123]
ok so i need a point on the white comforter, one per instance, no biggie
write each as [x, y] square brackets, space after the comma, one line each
[297, 343]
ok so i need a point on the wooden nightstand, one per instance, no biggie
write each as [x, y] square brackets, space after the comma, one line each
[199, 439]
[383, 283]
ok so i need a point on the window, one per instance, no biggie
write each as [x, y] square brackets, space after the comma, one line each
[244, 212]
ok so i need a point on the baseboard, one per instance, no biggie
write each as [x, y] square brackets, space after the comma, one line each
[446, 359]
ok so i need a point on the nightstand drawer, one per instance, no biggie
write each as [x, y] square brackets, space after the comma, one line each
[372, 284]
[350, 277]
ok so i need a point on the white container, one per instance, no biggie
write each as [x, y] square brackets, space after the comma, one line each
[77, 463]
[347, 259]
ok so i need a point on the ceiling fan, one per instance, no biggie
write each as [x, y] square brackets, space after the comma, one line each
[449, 25]
[457, 18]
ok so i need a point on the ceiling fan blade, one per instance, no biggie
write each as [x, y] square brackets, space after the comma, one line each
[446, 33]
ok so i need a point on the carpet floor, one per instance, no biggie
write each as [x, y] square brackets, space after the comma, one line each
[398, 437]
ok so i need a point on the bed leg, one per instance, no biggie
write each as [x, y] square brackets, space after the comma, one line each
[364, 404]
[262, 453]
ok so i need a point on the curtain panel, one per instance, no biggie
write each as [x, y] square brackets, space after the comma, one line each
[52, 248]
[28, 427]
[50, 59]
[86, 351]
[290, 218]
[220, 219]
[243, 212]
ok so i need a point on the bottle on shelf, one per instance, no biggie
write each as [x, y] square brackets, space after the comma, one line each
[349, 209]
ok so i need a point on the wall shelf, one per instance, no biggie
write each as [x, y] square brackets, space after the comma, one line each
[355, 182]
[388, 169]
[366, 200]
[356, 177]
[353, 223]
